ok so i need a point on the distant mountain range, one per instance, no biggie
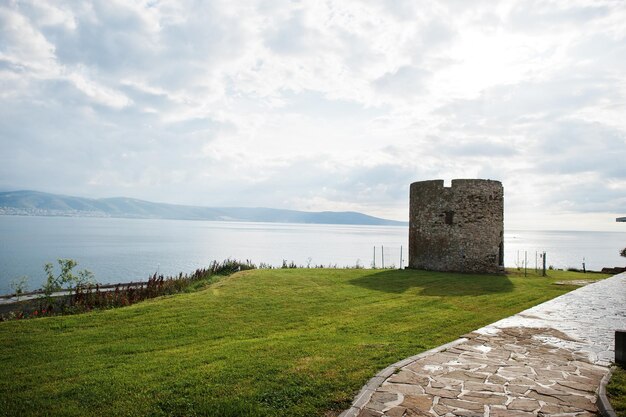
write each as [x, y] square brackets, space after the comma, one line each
[34, 203]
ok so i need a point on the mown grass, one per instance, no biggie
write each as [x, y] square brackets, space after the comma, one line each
[259, 343]
[616, 391]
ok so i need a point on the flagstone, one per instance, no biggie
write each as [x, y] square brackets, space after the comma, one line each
[523, 404]
[477, 386]
[405, 389]
[418, 402]
[508, 413]
[440, 392]
[408, 377]
[466, 405]
[517, 389]
[485, 399]
[441, 409]
[396, 412]
[366, 412]
[495, 379]
[468, 413]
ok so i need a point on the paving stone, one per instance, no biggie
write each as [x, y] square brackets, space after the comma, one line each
[376, 406]
[514, 348]
[443, 393]
[466, 405]
[517, 389]
[508, 413]
[369, 413]
[395, 412]
[585, 414]
[477, 386]
[495, 379]
[478, 359]
[565, 368]
[545, 398]
[488, 369]
[576, 401]
[579, 379]
[523, 404]
[446, 383]
[404, 389]
[515, 371]
[578, 389]
[548, 391]
[483, 394]
[418, 402]
[549, 374]
[412, 413]
[484, 399]
[471, 347]
[408, 377]
[522, 381]
[427, 367]
[463, 366]
[588, 366]
[552, 409]
[464, 376]
[384, 397]
[441, 410]
[468, 413]
[443, 357]
[591, 374]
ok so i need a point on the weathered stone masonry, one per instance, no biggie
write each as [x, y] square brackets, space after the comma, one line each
[458, 228]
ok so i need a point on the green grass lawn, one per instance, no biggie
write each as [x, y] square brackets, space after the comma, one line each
[616, 390]
[296, 342]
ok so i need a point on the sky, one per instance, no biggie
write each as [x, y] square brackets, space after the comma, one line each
[319, 105]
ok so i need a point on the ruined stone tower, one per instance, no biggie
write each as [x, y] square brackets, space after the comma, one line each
[458, 228]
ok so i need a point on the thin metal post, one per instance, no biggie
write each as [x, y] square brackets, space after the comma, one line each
[544, 264]
[525, 262]
[400, 256]
[382, 256]
[374, 262]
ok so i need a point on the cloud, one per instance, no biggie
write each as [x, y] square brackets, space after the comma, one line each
[403, 82]
[316, 105]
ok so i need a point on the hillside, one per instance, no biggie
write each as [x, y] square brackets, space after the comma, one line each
[45, 204]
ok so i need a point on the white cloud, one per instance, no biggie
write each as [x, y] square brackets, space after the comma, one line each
[317, 105]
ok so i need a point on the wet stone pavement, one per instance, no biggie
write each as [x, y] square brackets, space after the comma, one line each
[547, 360]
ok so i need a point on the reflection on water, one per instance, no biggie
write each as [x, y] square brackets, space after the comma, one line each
[121, 250]
[564, 249]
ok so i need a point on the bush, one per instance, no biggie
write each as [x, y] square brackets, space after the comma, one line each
[19, 286]
[66, 280]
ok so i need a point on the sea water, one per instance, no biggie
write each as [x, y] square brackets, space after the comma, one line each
[123, 250]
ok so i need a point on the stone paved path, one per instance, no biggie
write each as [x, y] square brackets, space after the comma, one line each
[547, 360]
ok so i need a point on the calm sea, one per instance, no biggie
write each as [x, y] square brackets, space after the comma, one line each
[122, 250]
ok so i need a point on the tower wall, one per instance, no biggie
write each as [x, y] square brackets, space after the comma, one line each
[457, 228]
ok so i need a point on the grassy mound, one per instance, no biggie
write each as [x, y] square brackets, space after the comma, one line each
[259, 343]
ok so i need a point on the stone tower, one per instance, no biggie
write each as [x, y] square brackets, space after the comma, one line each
[457, 228]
